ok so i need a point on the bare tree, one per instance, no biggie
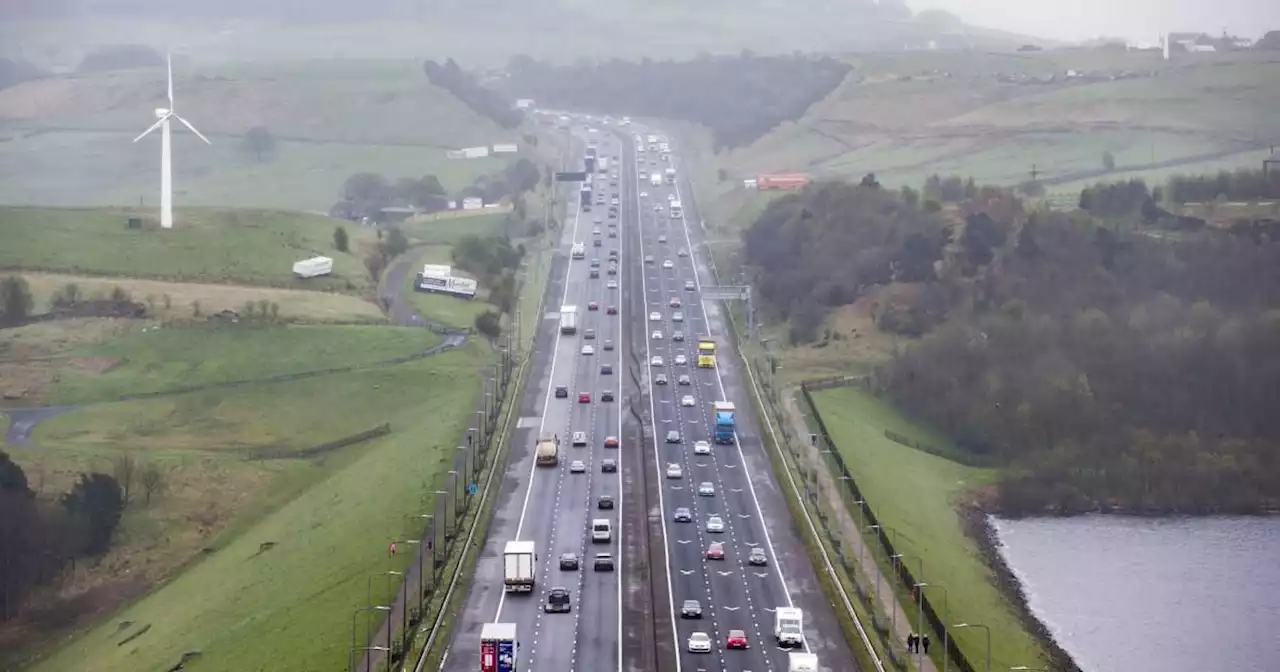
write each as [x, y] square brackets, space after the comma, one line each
[152, 480]
[125, 469]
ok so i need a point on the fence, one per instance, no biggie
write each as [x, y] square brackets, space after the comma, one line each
[840, 472]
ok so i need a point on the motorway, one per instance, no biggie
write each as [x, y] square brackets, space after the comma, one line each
[733, 594]
[550, 505]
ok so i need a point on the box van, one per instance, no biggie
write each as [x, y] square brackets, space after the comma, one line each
[601, 530]
[788, 626]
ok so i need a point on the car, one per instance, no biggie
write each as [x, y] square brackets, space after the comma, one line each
[677, 316]
[674, 470]
[558, 601]
[598, 219]
[656, 360]
[608, 346]
[660, 379]
[683, 515]
[613, 233]
[691, 609]
[611, 310]
[584, 397]
[610, 442]
[579, 467]
[684, 379]
[608, 466]
[657, 335]
[612, 284]
[604, 502]
[588, 350]
[715, 551]
[668, 264]
[648, 259]
[737, 639]
[701, 448]
[706, 489]
[568, 562]
[682, 252]
[681, 360]
[589, 334]
[603, 562]
[673, 436]
[562, 391]
[597, 243]
[715, 524]
[614, 201]
[613, 270]
[595, 263]
[593, 306]
[677, 336]
[671, 197]
[757, 557]
[687, 401]
[606, 369]
[579, 439]
[596, 231]
[613, 215]
[593, 273]
[699, 642]
[643, 194]
[606, 396]
[674, 302]
[655, 316]
[613, 254]
[662, 239]
[689, 286]
[657, 207]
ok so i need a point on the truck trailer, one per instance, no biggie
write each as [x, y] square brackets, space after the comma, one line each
[568, 320]
[498, 647]
[788, 626]
[518, 564]
[802, 662]
[547, 451]
[655, 180]
[724, 429]
[670, 174]
[313, 267]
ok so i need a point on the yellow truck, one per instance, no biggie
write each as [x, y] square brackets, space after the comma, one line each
[547, 452]
[706, 353]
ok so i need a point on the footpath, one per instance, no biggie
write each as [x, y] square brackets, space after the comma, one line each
[844, 520]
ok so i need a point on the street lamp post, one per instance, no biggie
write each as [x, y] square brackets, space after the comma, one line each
[988, 631]
[1024, 668]
[352, 654]
[946, 611]
[351, 662]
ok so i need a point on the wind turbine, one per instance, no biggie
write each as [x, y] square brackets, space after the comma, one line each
[163, 115]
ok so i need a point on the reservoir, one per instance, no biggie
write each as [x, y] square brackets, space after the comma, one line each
[1126, 594]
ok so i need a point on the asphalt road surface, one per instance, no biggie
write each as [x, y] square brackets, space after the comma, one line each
[733, 594]
[550, 505]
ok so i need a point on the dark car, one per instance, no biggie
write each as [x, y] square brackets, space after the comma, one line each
[594, 273]
[562, 392]
[606, 369]
[603, 562]
[604, 502]
[608, 467]
[597, 243]
[691, 609]
[568, 561]
[558, 601]
[607, 395]
[683, 515]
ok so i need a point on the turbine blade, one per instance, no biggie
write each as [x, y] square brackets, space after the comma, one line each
[169, 63]
[151, 128]
[193, 129]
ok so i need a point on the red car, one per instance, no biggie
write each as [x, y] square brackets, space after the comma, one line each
[593, 306]
[715, 551]
[737, 639]
[584, 398]
[611, 442]
[613, 310]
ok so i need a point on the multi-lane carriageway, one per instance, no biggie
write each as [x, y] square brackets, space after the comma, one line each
[554, 507]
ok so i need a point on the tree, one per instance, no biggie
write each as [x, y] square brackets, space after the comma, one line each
[124, 469]
[394, 243]
[341, 241]
[94, 507]
[152, 479]
[489, 323]
[1108, 161]
[15, 300]
[375, 262]
[260, 142]
[12, 478]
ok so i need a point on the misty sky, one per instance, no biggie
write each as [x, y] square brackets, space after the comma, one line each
[1136, 20]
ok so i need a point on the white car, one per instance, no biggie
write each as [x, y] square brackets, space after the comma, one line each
[656, 360]
[681, 360]
[687, 401]
[715, 524]
[671, 197]
[677, 316]
[674, 302]
[588, 350]
[674, 470]
[579, 438]
[701, 448]
[657, 207]
[577, 467]
[612, 284]
[668, 264]
[706, 489]
[655, 316]
[699, 642]
[682, 253]
[657, 335]
[644, 194]
[662, 239]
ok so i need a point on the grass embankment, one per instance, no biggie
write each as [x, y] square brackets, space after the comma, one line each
[330, 118]
[288, 607]
[916, 493]
[249, 247]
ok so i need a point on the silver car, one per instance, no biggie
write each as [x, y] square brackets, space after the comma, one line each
[706, 489]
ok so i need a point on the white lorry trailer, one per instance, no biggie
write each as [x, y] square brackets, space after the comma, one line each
[802, 662]
[568, 320]
[313, 267]
[788, 626]
[655, 180]
[578, 251]
[518, 562]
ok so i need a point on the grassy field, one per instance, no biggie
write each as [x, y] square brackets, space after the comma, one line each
[446, 230]
[68, 139]
[257, 247]
[241, 608]
[916, 493]
[183, 297]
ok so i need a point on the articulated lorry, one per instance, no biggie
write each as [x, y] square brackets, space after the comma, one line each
[518, 564]
[568, 320]
[724, 421]
[498, 647]
[547, 451]
[655, 180]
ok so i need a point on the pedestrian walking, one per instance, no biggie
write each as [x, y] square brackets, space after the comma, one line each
[925, 640]
[911, 642]
[391, 550]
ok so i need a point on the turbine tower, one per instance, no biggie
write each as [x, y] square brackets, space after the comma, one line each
[163, 115]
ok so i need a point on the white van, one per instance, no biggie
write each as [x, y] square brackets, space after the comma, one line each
[601, 530]
[788, 626]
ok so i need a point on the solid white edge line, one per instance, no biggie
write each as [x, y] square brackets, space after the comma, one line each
[653, 420]
[769, 423]
[618, 398]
